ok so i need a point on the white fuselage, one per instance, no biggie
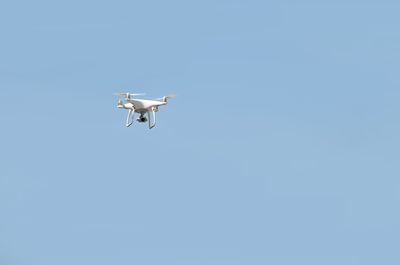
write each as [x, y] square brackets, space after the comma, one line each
[142, 105]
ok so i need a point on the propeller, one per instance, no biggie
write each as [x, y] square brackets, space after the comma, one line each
[166, 98]
[128, 95]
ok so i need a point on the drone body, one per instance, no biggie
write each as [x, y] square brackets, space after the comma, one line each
[141, 106]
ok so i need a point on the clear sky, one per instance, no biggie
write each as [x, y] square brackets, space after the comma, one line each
[281, 147]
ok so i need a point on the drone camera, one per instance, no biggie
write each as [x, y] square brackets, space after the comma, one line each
[142, 119]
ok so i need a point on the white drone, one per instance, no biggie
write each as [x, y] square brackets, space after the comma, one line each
[141, 106]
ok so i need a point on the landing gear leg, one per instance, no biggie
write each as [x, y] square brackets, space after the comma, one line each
[129, 119]
[154, 119]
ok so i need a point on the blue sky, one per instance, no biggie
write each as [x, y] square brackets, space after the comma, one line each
[282, 145]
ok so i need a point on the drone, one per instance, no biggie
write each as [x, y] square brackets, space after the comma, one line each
[141, 106]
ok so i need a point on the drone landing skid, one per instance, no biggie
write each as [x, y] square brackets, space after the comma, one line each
[152, 120]
[129, 119]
